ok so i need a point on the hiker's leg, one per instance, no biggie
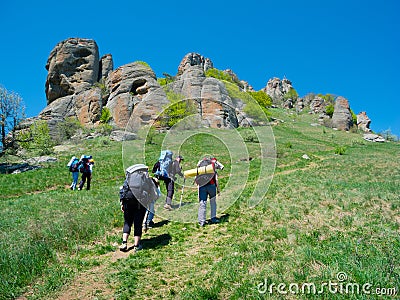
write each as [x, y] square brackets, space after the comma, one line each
[89, 179]
[170, 191]
[128, 220]
[212, 192]
[150, 213]
[138, 217]
[202, 206]
[75, 177]
[83, 180]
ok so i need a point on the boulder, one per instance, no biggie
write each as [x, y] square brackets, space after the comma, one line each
[342, 119]
[194, 59]
[128, 86]
[317, 105]
[88, 105]
[73, 67]
[120, 135]
[106, 66]
[214, 104]
[277, 88]
[363, 122]
[371, 137]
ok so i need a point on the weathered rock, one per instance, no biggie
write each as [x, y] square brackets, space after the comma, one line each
[120, 135]
[277, 88]
[363, 122]
[88, 105]
[73, 67]
[129, 85]
[194, 59]
[317, 105]
[106, 66]
[215, 107]
[371, 137]
[342, 119]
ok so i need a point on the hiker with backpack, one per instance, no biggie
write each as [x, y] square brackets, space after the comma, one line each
[207, 187]
[136, 194]
[148, 223]
[86, 167]
[73, 167]
[166, 169]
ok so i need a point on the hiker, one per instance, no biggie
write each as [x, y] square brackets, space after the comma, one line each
[170, 180]
[208, 187]
[137, 192]
[86, 168]
[73, 166]
[148, 223]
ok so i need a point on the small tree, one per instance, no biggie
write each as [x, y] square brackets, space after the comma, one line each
[12, 112]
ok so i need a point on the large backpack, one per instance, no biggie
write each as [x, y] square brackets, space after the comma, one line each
[139, 185]
[73, 164]
[203, 179]
[165, 162]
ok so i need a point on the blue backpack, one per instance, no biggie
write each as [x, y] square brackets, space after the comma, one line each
[165, 162]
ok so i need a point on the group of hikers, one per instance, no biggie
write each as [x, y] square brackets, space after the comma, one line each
[140, 191]
[84, 165]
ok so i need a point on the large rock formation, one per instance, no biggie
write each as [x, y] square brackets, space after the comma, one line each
[129, 85]
[342, 118]
[363, 122]
[73, 67]
[194, 59]
[277, 88]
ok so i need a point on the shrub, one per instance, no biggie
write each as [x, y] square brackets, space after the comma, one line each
[177, 110]
[262, 98]
[329, 109]
[354, 117]
[220, 75]
[143, 63]
[291, 94]
[105, 115]
[340, 150]
[38, 138]
[68, 128]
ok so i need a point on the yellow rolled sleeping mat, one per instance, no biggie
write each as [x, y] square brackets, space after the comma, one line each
[199, 171]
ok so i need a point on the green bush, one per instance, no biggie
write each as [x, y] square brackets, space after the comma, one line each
[177, 110]
[329, 109]
[291, 94]
[38, 138]
[354, 117]
[105, 115]
[340, 150]
[262, 98]
[220, 75]
[68, 128]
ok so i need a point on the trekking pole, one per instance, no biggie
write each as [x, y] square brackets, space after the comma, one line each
[183, 186]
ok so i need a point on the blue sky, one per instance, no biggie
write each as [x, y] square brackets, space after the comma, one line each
[347, 48]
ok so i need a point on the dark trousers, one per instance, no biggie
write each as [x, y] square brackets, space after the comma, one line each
[88, 177]
[170, 185]
[134, 214]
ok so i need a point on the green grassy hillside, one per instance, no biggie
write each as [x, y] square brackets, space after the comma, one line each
[328, 219]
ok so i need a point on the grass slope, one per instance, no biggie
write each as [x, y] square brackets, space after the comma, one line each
[329, 215]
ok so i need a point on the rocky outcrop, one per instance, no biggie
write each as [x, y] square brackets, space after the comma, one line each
[277, 88]
[129, 85]
[214, 104]
[73, 67]
[363, 122]
[371, 137]
[194, 59]
[106, 66]
[342, 118]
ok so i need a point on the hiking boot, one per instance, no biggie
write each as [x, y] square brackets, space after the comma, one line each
[124, 246]
[167, 206]
[150, 225]
[202, 224]
[215, 221]
[137, 248]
